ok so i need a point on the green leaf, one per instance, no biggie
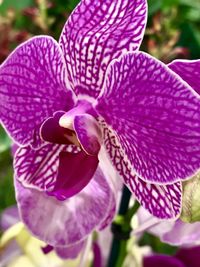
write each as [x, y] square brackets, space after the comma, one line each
[17, 5]
[5, 141]
[190, 38]
[190, 202]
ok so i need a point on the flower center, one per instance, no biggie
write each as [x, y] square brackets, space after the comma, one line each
[75, 127]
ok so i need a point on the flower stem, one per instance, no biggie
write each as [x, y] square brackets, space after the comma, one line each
[121, 229]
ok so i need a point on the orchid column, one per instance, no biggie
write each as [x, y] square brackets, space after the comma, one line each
[72, 105]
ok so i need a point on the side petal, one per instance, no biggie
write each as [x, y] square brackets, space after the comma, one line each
[64, 223]
[96, 33]
[155, 117]
[189, 71]
[162, 201]
[32, 88]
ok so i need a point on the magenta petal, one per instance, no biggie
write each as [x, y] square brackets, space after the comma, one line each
[96, 33]
[64, 223]
[74, 173]
[162, 201]
[155, 117]
[189, 71]
[159, 260]
[70, 252]
[32, 87]
[190, 256]
[51, 131]
[89, 133]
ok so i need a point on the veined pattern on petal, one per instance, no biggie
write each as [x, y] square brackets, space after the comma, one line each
[64, 223]
[155, 116]
[96, 33]
[161, 201]
[32, 87]
[189, 71]
[38, 168]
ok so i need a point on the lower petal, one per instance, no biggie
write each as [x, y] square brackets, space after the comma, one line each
[64, 223]
[70, 252]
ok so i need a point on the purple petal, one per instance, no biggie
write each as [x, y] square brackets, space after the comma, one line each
[190, 256]
[55, 169]
[88, 133]
[162, 260]
[74, 173]
[70, 252]
[175, 233]
[96, 33]
[189, 71]
[155, 117]
[32, 87]
[51, 131]
[183, 234]
[163, 201]
[64, 223]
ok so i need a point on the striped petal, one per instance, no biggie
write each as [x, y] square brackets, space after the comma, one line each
[32, 88]
[64, 223]
[96, 33]
[155, 117]
[55, 169]
[189, 71]
[162, 201]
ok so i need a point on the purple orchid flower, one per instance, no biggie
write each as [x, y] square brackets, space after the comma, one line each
[70, 104]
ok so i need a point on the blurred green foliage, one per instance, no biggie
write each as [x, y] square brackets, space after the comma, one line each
[173, 31]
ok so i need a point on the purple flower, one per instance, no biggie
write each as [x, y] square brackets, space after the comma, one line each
[70, 104]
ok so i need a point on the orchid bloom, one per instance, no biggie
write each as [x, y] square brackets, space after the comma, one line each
[70, 105]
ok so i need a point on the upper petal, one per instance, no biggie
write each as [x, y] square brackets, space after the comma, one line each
[189, 71]
[63, 223]
[32, 87]
[97, 32]
[155, 117]
[162, 201]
